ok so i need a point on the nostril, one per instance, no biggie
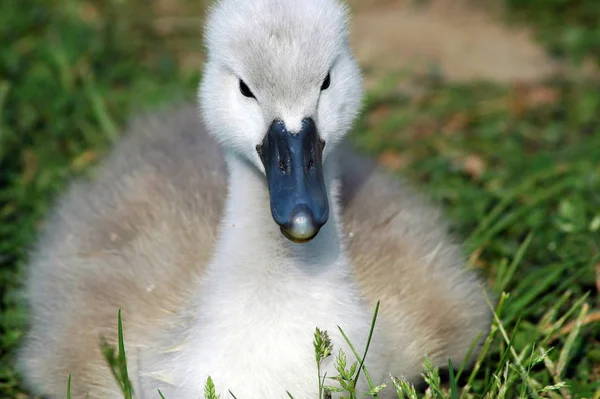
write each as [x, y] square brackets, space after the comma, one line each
[282, 166]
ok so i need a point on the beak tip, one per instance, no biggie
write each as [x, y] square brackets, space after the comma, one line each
[303, 227]
[298, 239]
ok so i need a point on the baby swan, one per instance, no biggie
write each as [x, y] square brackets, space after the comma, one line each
[227, 242]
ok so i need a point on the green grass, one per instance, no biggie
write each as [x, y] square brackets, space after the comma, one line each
[67, 87]
[516, 168]
[568, 28]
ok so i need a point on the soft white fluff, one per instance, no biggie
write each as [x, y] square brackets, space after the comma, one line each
[251, 325]
[283, 50]
[263, 296]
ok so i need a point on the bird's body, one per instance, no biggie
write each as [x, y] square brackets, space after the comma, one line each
[178, 230]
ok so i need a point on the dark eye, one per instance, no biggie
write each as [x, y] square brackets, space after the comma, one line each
[245, 89]
[326, 82]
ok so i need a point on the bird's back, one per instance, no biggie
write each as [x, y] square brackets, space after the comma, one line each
[137, 237]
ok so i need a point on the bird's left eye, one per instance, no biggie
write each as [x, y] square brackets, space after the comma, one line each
[326, 82]
[245, 90]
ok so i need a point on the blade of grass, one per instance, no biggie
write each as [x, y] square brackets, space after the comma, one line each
[109, 127]
[544, 279]
[355, 352]
[453, 385]
[504, 357]
[550, 335]
[524, 187]
[563, 357]
[549, 316]
[128, 390]
[486, 346]
[510, 272]
[69, 387]
[362, 361]
[511, 217]
[532, 384]
[468, 356]
[353, 349]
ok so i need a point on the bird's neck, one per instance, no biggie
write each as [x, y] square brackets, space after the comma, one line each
[250, 238]
[262, 296]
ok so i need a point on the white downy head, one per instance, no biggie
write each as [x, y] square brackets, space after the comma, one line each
[280, 90]
[283, 51]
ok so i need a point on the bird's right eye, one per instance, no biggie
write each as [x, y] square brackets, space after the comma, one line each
[245, 90]
[326, 83]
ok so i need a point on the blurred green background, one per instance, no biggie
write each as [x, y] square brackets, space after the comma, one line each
[514, 162]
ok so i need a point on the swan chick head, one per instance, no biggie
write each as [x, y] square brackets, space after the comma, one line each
[280, 89]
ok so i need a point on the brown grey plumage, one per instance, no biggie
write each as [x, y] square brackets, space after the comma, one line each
[130, 239]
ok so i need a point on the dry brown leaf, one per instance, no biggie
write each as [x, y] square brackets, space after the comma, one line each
[475, 166]
[422, 130]
[378, 114]
[89, 12]
[598, 277]
[168, 7]
[393, 160]
[591, 318]
[595, 374]
[456, 123]
[542, 95]
[527, 97]
[30, 165]
[475, 261]
[83, 160]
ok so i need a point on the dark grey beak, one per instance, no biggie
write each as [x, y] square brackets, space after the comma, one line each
[294, 168]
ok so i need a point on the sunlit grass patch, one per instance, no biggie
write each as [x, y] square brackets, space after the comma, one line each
[515, 375]
[515, 167]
